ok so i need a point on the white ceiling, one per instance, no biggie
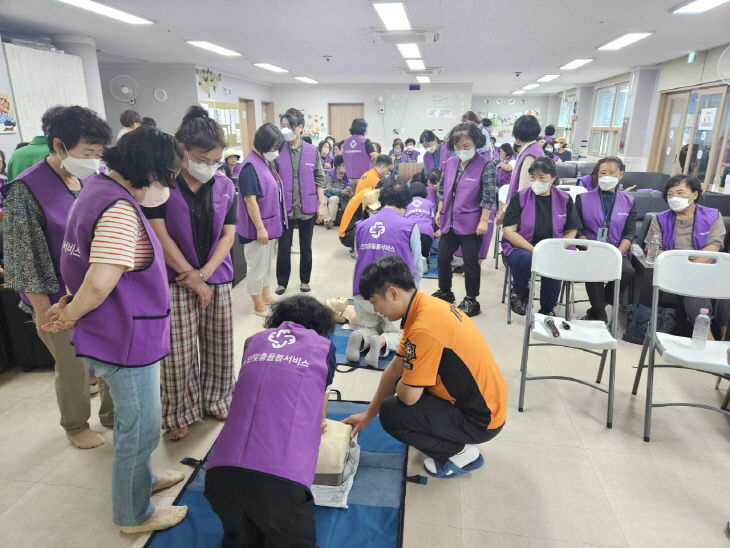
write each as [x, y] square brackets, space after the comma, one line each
[483, 42]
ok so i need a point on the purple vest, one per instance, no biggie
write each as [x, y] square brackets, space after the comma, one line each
[274, 422]
[269, 202]
[527, 219]
[385, 233]
[132, 326]
[332, 173]
[586, 181]
[55, 200]
[705, 217]
[236, 170]
[462, 211]
[431, 195]
[178, 219]
[307, 188]
[421, 211]
[412, 159]
[428, 162]
[549, 138]
[503, 177]
[592, 214]
[357, 160]
[514, 184]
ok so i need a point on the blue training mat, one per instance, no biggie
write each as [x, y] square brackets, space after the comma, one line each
[374, 518]
[339, 339]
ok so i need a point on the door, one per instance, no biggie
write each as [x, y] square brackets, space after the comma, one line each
[248, 123]
[707, 120]
[671, 132]
[267, 111]
[340, 117]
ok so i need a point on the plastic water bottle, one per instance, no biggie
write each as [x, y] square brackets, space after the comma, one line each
[636, 250]
[653, 250]
[701, 329]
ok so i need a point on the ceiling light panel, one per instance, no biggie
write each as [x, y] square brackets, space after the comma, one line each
[409, 51]
[272, 68]
[518, 92]
[306, 79]
[625, 40]
[108, 11]
[548, 78]
[416, 64]
[214, 48]
[698, 6]
[576, 63]
[531, 86]
[423, 79]
[393, 15]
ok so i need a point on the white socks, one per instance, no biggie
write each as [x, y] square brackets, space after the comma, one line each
[466, 456]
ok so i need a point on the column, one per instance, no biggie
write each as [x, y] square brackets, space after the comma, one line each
[85, 47]
[641, 112]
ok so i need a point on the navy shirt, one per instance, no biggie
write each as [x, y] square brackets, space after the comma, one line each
[248, 185]
[543, 217]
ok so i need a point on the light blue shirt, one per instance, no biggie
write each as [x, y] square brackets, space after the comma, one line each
[417, 259]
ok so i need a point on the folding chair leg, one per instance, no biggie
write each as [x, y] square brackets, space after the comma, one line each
[649, 394]
[611, 386]
[600, 368]
[717, 384]
[523, 367]
[496, 249]
[504, 285]
[642, 359]
[726, 401]
[508, 274]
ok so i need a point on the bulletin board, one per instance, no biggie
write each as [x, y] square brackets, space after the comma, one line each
[228, 117]
[502, 123]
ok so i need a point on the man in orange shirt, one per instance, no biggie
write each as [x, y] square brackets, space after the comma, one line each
[372, 177]
[443, 392]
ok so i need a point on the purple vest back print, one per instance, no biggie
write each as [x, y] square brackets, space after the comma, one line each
[428, 161]
[307, 188]
[55, 200]
[462, 211]
[357, 160]
[592, 214]
[527, 219]
[385, 233]
[268, 201]
[274, 422]
[178, 219]
[422, 211]
[132, 326]
[704, 219]
[514, 184]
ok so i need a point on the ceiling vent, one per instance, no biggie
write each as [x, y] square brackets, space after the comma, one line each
[403, 37]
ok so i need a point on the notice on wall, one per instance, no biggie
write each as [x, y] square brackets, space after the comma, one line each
[7, 117]
[226, 114]
[707, 119]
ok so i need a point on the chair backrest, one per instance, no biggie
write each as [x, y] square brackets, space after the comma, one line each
[585, 168]
[568, 181]
[502, 194]
[721, 202]
[675, 273]
[600, 262]
[567, 169]
[642, 227]
[642, 179]
[645, 202]
[573, 190]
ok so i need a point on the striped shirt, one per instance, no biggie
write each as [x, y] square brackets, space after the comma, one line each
[121, 239]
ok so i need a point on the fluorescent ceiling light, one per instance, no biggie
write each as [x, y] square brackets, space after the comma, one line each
[423, 79]
[548, 78]
[215, 49]
[393, 15]
[409, 51]
[416, 64]
[107, 11]
[306, 79]
[698, 6]
[531, 86]
[577, 63]
[518, 92]
[625, 40]
[272, 68]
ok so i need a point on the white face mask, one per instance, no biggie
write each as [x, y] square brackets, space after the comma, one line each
[202, 172]
[397, 150]
[271, 156]
[466, 155]
[549, 150]
[80, 167]
[678, 204]
[539, 188]
[288, 134]
[431, 149]
[156, 195]
[607, 182]
[409, 148]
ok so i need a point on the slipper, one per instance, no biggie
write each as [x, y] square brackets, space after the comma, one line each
[280, 290]
[168, 516]
[448, 469]
[87, 439]
[167, 479]
[93, 388]
[304, 288]
[263, 314]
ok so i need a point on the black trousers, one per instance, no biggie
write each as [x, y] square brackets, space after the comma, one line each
[283, 257]
[448, 244]
[600, 294]
[258, 510]
[348, 240]
[426, 243]
[432, 425]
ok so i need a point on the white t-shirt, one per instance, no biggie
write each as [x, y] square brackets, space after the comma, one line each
[122, 132]
[513, 163]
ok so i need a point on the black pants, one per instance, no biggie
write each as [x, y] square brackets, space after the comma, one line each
[258, 510]
[448, 244]
[283, 257]
[600, 294]
[348, 240]
[432, 425]
[426, 243]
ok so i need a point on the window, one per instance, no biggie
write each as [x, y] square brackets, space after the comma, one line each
[566, 111]
[608, 116]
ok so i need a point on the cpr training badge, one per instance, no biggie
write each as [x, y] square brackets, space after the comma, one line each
[409, 350]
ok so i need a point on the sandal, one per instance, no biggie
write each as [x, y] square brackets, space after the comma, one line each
[167, 479]
[304, 288]
[280, 290]
[178, 433]
[447, 469]
[164, 517]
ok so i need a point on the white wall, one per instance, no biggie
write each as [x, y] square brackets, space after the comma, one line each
[408, 112]
[232, 88]
[678, 73]
[177, 80]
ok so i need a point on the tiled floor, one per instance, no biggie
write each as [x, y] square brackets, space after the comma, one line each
[555, 476]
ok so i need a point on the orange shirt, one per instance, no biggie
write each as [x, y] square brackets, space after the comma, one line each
[368, 180]
[444, 352]
[354, 203]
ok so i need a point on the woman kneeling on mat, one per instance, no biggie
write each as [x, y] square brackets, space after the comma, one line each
[262, 465]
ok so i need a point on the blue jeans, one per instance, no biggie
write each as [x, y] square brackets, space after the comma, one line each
[520, 264]
[137, 423]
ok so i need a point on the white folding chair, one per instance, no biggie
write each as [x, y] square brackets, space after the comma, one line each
[501, 205]
[600, 262]
[574, 190]
[675, 273]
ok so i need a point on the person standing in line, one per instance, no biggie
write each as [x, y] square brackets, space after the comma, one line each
[357, 150]
[300, 168]
[262, 218]
[436, 152]
[197, 227]
[487, 150]
[233, 159]
[35, 151]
